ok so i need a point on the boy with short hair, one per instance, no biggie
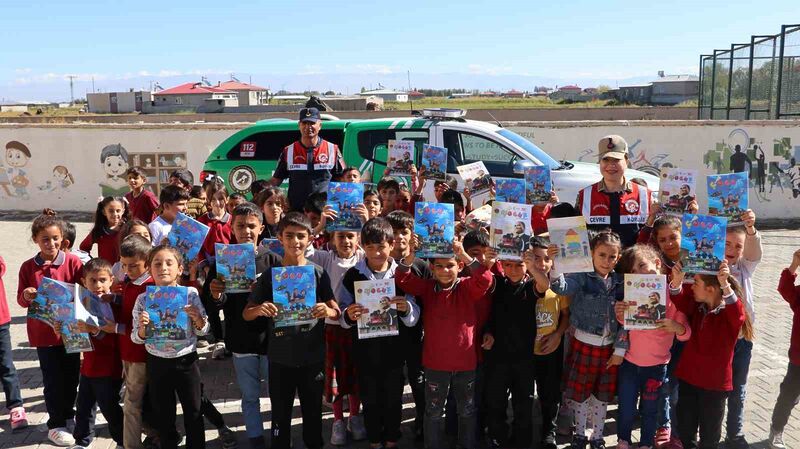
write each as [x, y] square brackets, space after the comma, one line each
[142, 203]
[379, 361]
[182, 178]
[449, 353]
[249, 346]
[173, 200]
[312, 209]
[388, 189]
[296, 354]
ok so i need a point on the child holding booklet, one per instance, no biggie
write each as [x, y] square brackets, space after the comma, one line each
[296, 353]
[172, 366]
[379, 361]
[598, 345]
[248, 345]
[790, 387]
[60, 370]
[173, 201]
[644, 370]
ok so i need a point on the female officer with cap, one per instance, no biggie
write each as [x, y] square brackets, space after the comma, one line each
[615, 202]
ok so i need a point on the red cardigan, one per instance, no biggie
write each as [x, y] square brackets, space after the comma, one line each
[449, 317]
[707, 356]
[219, 231]
[66, 268]
[107, 245]
[5, 315]
[104, 359]
[791, 293]
[130, 351]
[144, 207]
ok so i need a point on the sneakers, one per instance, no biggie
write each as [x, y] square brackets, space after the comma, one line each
[578, 442]
[60, 436]
[776, 439]
[597, 444]
[355, 425]
[673, 443]
[18, 418]
[663, 436]
[228, 438]
[339, 433]
[737, 442]
[622, 444]
[201, 343]
[218, 353]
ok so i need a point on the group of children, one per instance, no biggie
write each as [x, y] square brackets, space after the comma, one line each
[474, 330]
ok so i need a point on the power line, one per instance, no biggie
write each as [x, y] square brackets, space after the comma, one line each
[71, 89]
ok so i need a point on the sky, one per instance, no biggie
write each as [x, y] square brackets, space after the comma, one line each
[344, 46]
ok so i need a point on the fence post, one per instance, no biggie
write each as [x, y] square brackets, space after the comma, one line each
[700, 91]
[749, 78]
[713, 85]
[780, 74]
[730, 85]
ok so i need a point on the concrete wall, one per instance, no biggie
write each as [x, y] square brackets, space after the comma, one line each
[704, 145]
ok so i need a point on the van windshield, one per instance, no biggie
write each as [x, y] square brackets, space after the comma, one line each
[526, 144]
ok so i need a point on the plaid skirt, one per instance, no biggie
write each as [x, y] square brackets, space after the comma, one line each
[340, 372]
[585, 373]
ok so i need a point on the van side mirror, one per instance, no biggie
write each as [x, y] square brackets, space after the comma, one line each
[521, 165]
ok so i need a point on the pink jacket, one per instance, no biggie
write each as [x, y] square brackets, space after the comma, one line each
[651, 347]
[5, 316]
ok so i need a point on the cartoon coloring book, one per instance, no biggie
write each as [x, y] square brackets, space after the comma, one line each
[168, 318]
[476, 177]
[510, 233]
[702, 243]
[509, 190]
[343, 197]
[49, 296]
[646, 295]
[572, 238]
[539, 185]
[74, 340]
[294, 292]
[728, 196]
[401, 157]
[434, 161]
[236, 264]
[187, 234]
[435, 225]
[272, 245]
[678, 187]
[382, 319]
[90, 309]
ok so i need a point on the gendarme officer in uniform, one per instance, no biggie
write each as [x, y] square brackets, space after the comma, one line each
[615, 202]
[309, 163]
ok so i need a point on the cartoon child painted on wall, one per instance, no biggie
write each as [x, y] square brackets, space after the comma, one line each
[61, 180]
[114, 158]
[17, 157]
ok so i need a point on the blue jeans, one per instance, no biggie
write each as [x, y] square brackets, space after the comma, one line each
[639, 383]
[668, 396]
[8, 374]
[437, 386]
[742, 353]
[250, 371]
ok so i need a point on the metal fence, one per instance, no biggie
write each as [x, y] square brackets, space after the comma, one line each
[759, 80]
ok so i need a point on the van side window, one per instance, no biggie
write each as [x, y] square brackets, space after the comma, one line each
[465, 148]
[268, 145]
[372, 144]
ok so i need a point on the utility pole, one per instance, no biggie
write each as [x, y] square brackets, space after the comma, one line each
[71, 89]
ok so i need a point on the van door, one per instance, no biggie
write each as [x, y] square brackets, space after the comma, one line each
[373, 149]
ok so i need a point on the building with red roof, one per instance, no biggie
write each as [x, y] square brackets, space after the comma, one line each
[195, 94]
[249, 94]
[513, 93]
[416, 95]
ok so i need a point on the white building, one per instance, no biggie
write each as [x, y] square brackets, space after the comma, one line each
[118, 102]
[195, 94]
[248, 94]
[387, 95]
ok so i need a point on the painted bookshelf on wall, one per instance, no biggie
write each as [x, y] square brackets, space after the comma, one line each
[157, 166]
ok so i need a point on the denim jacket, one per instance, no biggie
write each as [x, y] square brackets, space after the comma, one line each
[592, 304]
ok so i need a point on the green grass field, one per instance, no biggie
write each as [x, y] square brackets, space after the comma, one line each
[491, 103]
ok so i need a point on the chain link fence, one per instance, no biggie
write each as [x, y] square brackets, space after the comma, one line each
[758, 80]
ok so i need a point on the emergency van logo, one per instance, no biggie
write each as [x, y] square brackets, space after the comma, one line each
[323, 158]
[632, 206]
[600, 208]
[241, 178]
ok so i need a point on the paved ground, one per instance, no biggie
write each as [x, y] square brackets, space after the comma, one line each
[767, 369]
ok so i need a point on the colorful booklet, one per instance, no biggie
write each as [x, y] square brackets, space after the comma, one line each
[646, 295]
[401, 157]
[187, 234]
[702, 243]
[539, 185]
[90, 309]
[728, 196]
[343, 197]
[74, 340]
[168, 317]
[511, 231]
[273, 245]
[236, 264]
[678, 190]
[434, 223]
[434, 161]
[49, 295]
[294, 292]
[476, 177]
[509, 190]
[572, 238]
[382, 319]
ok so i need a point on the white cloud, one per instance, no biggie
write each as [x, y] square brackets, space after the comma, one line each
[51, 77]
[491, 70]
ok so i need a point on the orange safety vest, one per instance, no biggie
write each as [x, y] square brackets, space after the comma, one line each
[296, 156]
[633, 208]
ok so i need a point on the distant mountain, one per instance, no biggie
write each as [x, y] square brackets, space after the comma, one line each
[346, 83]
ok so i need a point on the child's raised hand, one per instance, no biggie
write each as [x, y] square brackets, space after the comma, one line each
[619, 310]
[267, 309]
[110, 327]
[677, 276]
[615, 360]
[328, 213]
[355, 310]
[795, 261]
[144, 320]
[488, 342]
[217, 287]
[655, 209]
[321, 310]
[29, 294]
[671, 326]
[490, 257]
[401, 303]
[116, 288]
[467, 193]
[554, 198]
[194, 315]
[749, 218]
[693, 207]
[552, 251]
[724, 272]
[57, 328]
[361, 212]
[87, 328]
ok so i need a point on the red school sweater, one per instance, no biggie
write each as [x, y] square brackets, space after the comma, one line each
[130, 351]
[144, 207]
[791, 293]
[449, 317]
[67, 268]
[104, 359]
[219, 231]
[107, 245]
[5, 315]
[706, 359]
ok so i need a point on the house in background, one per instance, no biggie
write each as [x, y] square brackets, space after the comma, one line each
[635, 93]
[674, 89]
[416, 95]
[196, 95]
[248, 94]
[513, 93]
[118, 102]
[386, 94]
